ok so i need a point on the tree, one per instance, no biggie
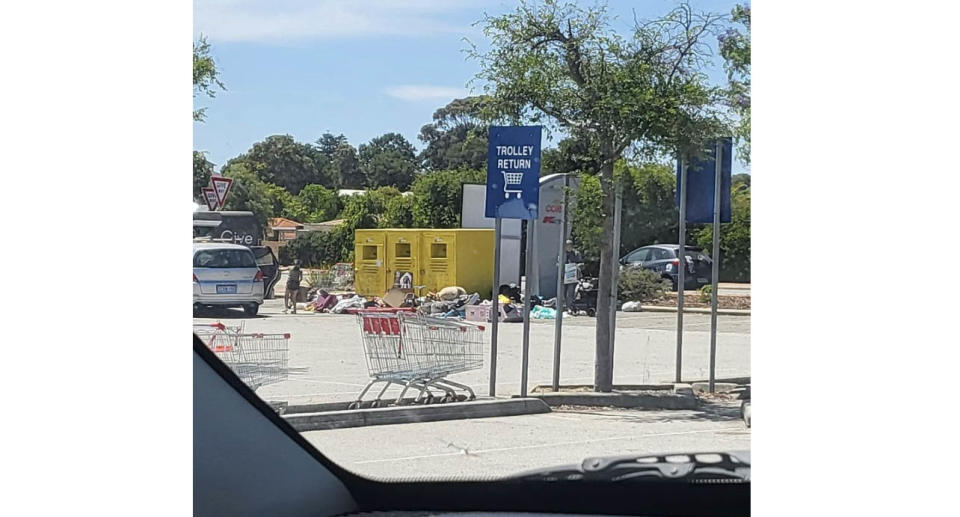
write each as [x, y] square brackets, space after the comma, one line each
[734, 237]
[457, 137]
[398, 212]
[438, 197]
[649, 206]
[202, 170]
[342, 160]
[281, 160]
[206, 77]
[735, 49]
[558, 63]
[248, 192]
[388, 160]
[572, 155]
[319, 203]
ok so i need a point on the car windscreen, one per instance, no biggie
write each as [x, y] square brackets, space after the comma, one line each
[224, 259]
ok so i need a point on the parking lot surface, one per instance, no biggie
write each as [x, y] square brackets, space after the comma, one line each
[500, 447]
[328, 349]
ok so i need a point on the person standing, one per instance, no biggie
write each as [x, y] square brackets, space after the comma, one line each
[570, 290]
[293, 287]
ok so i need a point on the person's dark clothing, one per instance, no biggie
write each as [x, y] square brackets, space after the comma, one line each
[294, 278]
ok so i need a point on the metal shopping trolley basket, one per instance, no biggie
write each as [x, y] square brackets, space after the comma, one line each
[511, 183]
[257, 359]
[415, 351]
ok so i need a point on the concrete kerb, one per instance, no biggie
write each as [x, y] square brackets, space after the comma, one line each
[641, 396]
[420, 413]
[695, 310]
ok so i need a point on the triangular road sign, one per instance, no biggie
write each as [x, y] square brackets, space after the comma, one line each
[210, 197]
[221, 186]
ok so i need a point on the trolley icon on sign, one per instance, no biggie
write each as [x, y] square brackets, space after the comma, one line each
[511, 184]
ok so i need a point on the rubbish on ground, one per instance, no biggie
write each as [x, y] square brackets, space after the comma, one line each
[356, 302]
[451, 293]
[540, 312]
[630, 307]
[503, 299]
[396, 296]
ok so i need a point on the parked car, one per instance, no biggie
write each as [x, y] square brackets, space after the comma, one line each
[664, 259]
[226, 275]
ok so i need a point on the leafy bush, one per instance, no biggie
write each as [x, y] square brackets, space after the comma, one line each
[638, 284]
[319, 249]
[705, 293]
[438, 197]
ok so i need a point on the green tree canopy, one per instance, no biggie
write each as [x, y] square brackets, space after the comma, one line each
[388, 160]
[457, 137]
[735, 49]
[281, 160]
[206, 77]
[342, 159]
[572, 155]
[319, 203]
[734, 237]
[554, 62]
[438, 197]
[248, 192]
[202, 170]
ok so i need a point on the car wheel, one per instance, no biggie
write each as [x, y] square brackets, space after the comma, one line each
[251, 309]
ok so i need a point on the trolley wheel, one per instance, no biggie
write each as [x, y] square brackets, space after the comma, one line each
[375, 403]
[354, 405]
[591, 312]
[472, 397]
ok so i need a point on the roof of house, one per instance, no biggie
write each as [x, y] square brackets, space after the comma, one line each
[282, 223]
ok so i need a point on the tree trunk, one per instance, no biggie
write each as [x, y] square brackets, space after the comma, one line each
[603, 365]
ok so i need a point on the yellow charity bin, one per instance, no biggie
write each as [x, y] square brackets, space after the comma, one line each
[474, 261]
[403, 255]
[370, 270]
[438, 259]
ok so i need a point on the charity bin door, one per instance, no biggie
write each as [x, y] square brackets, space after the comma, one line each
[403, 256]
[370, 277]
[439, 257]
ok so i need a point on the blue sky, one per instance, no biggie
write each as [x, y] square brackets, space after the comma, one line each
[360, 67]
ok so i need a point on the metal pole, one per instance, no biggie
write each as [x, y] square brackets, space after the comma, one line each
[715, 270]
[495, 307]
[618, 208]
[527, 292]
[561, 288]
[682, 264]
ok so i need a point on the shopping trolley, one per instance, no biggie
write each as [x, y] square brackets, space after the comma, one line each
[415, 351]
[511, 183]
[257, 359]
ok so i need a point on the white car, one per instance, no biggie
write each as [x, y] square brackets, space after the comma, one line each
[226, 275]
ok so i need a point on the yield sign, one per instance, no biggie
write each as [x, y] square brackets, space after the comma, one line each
[210, 197]
[221, 186]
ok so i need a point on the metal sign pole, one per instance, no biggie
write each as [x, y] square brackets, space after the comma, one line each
[561, 288]
[495, 307]
[715, 270]
[527, 293]
[618, 208]
[682, 264]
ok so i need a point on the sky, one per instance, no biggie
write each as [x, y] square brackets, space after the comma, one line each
[357, 67]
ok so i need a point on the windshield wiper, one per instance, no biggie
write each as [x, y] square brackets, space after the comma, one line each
[713, 467]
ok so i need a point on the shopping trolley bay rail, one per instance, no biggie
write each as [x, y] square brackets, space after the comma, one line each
[418, 352]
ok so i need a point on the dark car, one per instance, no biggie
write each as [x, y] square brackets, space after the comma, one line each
[663, 259]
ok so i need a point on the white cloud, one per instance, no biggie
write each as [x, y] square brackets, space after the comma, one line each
[415, 92]
[292, 20]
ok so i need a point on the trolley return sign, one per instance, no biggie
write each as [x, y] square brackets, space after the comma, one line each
[513, 172]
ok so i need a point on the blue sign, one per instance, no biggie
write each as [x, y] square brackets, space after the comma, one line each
[701, 178]
[513, 172]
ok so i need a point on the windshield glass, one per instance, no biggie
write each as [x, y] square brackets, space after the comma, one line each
[224, 259]
[382, 334]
